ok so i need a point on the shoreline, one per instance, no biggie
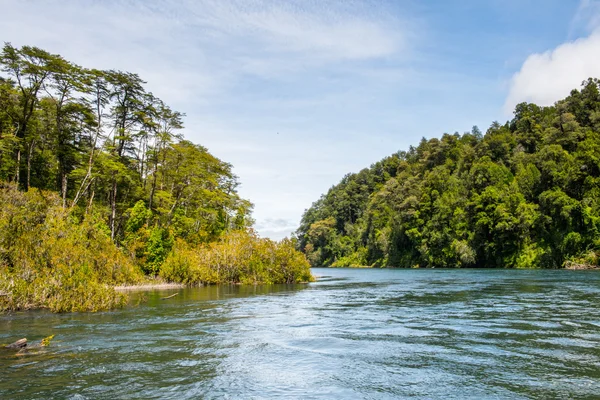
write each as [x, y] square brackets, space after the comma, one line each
[572, 266]
[149, 286]
[167, 286]
[567, 267]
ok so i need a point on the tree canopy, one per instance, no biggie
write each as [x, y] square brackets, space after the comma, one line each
[100, 138]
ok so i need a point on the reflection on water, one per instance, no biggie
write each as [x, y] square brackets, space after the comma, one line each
[353, 334]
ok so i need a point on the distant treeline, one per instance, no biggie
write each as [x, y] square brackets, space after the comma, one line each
[99, 187]
[524, 195]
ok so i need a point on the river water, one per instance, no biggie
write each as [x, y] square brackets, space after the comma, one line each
[356, 333]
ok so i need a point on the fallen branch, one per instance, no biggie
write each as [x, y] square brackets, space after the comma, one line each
[23, 346]
[19, 344]
[168, 297]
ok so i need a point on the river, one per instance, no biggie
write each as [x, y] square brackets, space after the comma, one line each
[356, 333]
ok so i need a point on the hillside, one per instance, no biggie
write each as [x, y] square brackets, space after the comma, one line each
[524, 195]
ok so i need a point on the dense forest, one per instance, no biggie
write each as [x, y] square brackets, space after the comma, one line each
[98, 187]
[524, 195]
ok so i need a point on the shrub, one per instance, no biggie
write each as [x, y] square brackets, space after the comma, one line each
[50, 259]
[239, 257]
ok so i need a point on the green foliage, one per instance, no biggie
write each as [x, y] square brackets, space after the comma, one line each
[109, 187]
[100, 139]
[138, 217]
[48, 259]
[157, 248]
[524, 195]
[46, 341]
[238, 257]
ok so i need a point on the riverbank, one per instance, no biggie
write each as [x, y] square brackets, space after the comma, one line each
[149, 286]
[51, 257]
[573, 266]
[569, 265]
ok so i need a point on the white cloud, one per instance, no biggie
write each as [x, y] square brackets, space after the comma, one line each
[548, 77]
[277, 228]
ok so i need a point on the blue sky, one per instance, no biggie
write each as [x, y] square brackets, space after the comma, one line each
[295, 94]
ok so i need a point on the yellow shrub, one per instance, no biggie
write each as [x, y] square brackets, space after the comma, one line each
[50, 260]
[239, 257]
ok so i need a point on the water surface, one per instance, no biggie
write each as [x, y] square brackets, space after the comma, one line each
[373, 334]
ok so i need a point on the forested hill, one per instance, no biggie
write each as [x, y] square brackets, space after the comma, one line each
[524, 195]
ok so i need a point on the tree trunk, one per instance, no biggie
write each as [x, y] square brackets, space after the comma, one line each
[29, 155]
[18, 171]
[89, 207]
[113, 208]
[87, 179]
[152, 189]
[63, 189]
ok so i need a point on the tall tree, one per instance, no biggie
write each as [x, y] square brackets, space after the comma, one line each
[28, 66]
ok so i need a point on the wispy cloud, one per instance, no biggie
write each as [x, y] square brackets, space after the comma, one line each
[243, 70]
[202, 49]
[328, 30]
[586, 17]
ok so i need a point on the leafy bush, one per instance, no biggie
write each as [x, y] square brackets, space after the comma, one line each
[49, 259]
[239, 257]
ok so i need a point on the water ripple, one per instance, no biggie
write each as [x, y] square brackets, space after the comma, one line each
[373, 334]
